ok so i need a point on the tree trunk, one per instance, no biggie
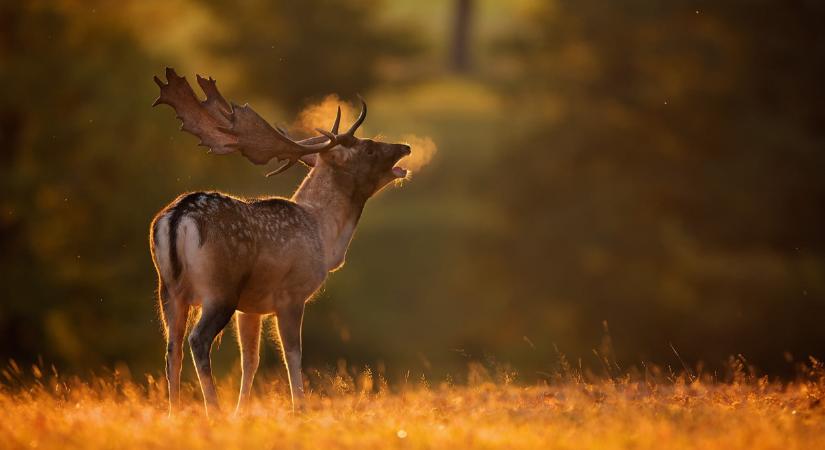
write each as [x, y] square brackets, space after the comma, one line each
[460, 52]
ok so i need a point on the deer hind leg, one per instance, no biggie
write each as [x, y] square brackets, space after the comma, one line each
[249, 339]
[290, 319]
[175, 313]
[214, 317]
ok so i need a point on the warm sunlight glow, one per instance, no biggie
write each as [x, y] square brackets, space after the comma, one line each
[322, 114]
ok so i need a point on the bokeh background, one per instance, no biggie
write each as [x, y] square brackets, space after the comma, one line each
[652, 168]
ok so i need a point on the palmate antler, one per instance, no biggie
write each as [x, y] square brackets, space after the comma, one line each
[225, 127]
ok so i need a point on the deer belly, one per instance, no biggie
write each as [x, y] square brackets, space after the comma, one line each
[271, 287]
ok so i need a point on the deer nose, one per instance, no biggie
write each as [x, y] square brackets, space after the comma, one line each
[405, 149]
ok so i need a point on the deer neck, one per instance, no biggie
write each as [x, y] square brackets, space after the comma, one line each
[333, 198]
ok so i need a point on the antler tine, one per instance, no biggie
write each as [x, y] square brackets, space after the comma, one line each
[289, 163]
[324, 134]
[315, 144]
[332, 138]
[307, 148]
[334, 128]
[361, 117]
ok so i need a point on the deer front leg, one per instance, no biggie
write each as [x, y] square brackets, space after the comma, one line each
[289, 330]
[214, 317]
[249, 338]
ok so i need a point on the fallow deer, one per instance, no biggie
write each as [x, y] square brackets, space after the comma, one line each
[257, 257]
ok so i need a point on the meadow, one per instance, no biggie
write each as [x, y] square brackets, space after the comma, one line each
[571, 409]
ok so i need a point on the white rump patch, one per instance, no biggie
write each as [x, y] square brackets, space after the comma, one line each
[194, 259]
[161, 238]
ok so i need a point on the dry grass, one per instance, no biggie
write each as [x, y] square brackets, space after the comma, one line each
[637, 411]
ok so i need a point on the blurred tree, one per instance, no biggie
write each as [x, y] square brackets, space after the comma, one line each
[302, 50]
[460, 48]
[675, 178]
[74, 140]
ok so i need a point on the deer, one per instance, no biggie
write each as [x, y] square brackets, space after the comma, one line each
[252, 258]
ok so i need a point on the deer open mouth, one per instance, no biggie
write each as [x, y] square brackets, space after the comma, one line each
[399, 172]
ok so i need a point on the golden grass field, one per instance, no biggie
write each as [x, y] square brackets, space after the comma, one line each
[568, 412]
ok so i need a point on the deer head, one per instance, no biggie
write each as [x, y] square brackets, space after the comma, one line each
[369, 164]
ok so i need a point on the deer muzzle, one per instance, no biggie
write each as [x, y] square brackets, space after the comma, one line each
[401, 150]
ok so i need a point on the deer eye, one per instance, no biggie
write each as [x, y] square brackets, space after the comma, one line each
[370, 150]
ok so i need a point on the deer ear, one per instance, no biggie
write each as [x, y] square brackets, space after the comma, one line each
[309, 160]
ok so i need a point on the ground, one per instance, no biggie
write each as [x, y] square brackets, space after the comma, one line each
[112, 411]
